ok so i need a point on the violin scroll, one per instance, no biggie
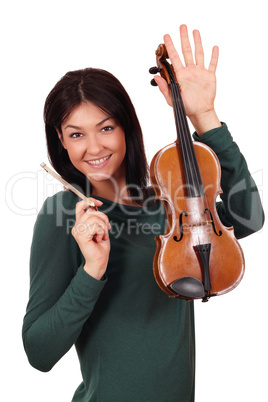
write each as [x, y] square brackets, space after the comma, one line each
[161, 52]
[163, 67]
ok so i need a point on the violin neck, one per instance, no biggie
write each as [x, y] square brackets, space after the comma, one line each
[193, 179]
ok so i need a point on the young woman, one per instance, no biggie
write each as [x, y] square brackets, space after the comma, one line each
[92, 282]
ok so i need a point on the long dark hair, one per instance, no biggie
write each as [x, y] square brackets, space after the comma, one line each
[105, 91]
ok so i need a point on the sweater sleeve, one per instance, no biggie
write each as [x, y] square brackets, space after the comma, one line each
[62, 294]
[240, 204]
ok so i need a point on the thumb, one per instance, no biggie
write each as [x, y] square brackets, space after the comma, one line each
[83, 205]
[164, 89]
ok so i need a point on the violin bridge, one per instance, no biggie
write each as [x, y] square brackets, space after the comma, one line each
[204, 223]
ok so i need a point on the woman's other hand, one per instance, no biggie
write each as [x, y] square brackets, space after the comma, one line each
[197, 84]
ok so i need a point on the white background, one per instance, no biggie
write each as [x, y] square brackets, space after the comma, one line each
[41, 40]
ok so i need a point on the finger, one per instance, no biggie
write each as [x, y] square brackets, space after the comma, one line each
[83, 205]
[186, 46]
[100, 232]
[101, 235]
[85, 216]
[214, 59]
[172, 53]
[91, 214]
[199, 51]
[93, 229]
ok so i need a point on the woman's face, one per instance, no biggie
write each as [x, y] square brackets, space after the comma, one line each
[95, 143]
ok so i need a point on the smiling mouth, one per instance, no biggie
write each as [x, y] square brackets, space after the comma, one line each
[99, 161]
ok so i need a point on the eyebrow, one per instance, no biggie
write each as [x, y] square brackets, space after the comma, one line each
[98, 124]
[71, 126]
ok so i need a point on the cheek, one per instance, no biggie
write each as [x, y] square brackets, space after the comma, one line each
[75, 152]
[116, 144]
[120, 143]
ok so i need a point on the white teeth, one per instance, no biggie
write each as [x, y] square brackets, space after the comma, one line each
[98, 161]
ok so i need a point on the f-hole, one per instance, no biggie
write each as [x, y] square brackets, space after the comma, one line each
[181, 227]
[212, 222]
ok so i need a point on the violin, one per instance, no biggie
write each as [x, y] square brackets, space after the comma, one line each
[197, 257]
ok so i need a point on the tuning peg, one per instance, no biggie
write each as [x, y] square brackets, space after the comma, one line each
[153, 83]
[154, 70]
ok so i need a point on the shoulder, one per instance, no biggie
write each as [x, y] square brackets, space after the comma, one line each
[57, 211]
[63, 201]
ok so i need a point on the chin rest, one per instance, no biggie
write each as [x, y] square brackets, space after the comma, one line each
[188, 287]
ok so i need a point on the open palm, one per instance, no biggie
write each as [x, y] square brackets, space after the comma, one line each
[197, 84]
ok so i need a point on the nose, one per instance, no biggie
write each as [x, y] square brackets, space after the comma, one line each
[94, 146]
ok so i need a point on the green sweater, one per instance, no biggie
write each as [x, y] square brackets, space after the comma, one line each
[134, 343]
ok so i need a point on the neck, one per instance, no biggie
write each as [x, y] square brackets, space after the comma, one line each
[112, 191]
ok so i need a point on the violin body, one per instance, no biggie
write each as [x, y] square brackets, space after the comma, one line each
[197, 254]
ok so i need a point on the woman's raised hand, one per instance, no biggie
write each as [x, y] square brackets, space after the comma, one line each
[197, 84]
[91, 234]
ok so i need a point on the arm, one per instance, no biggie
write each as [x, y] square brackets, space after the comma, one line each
[62, 294]
[241, 205]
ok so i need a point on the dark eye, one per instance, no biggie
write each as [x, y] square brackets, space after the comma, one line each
[107, 129]
[75, 135]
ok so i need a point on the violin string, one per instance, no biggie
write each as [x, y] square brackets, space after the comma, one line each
[187, 145]
[191, 169]
[194, 168]
[176, 110]
[184, 152]
[198, 189]
[184, 139]
[182, 143]
[193, 179]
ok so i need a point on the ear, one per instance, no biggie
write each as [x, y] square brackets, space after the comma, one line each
[61, 138]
